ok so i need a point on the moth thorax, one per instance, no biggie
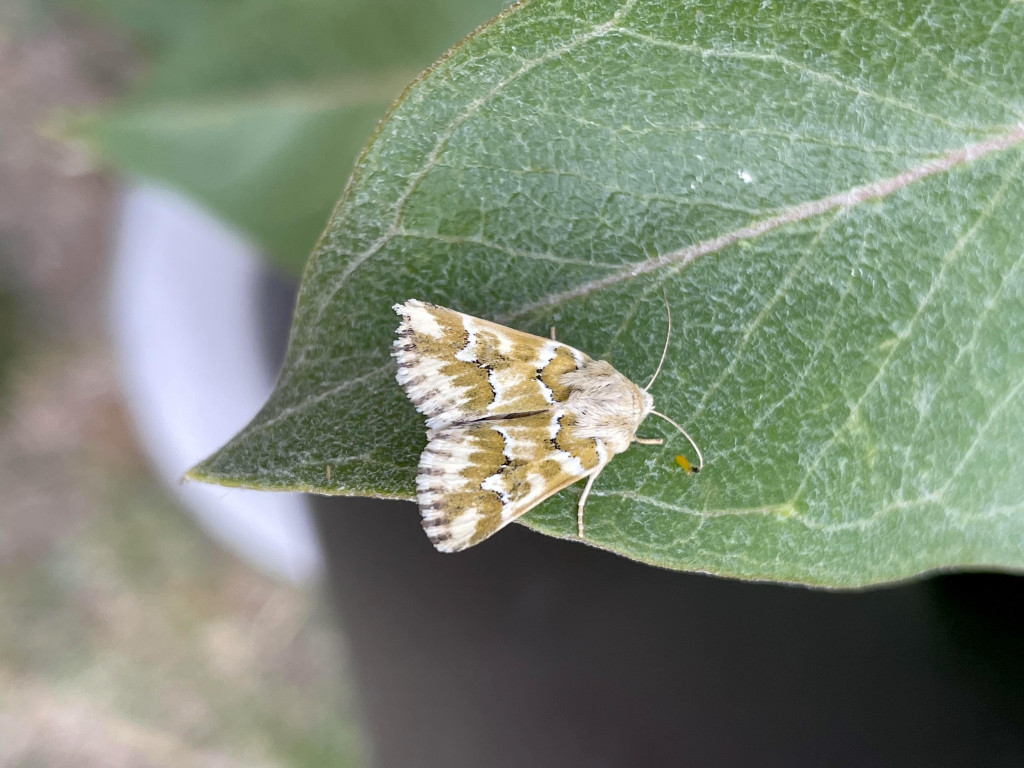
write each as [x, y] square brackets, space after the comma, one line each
[607, 405]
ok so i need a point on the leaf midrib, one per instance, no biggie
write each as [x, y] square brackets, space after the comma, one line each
[851, 198]
[682, 257]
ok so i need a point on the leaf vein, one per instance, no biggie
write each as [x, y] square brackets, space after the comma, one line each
[951, 73]
[847, 199]
[993, 415]
[432, 158]
[311, 400]
[506, 249]
[970, 346]
[825, 77]
[948, 260]
[758, 321]
[824, 340]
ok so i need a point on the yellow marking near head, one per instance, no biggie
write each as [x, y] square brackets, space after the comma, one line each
[685, 464]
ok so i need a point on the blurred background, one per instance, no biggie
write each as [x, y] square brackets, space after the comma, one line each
[164, 171]
[165, 168]
[127, 636]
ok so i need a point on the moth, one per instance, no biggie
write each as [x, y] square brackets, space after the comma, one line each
[512, 418]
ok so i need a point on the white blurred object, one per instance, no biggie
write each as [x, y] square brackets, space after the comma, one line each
[192, 354]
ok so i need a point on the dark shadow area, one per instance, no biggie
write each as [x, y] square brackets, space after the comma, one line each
[528, 651]
[277, 302]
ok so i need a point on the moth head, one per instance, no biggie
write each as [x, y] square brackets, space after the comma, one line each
[646, 404]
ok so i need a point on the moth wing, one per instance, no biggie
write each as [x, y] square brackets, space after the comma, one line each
[457, 368]
[474, 479]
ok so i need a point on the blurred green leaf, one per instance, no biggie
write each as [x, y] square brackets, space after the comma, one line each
[258, 108]
[157, 22]
[829, 192]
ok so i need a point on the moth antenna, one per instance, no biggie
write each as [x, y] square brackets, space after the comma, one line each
[700, 456]
[668, 338]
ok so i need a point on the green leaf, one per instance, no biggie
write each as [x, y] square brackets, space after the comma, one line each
[258, 108]
[831, 195]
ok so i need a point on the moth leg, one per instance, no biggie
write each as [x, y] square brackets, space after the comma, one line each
[648, 441]
[583, 498]
[553, 333]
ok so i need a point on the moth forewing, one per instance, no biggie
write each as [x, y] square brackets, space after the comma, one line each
[476, 478]
[512, 418]
[457, 368]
